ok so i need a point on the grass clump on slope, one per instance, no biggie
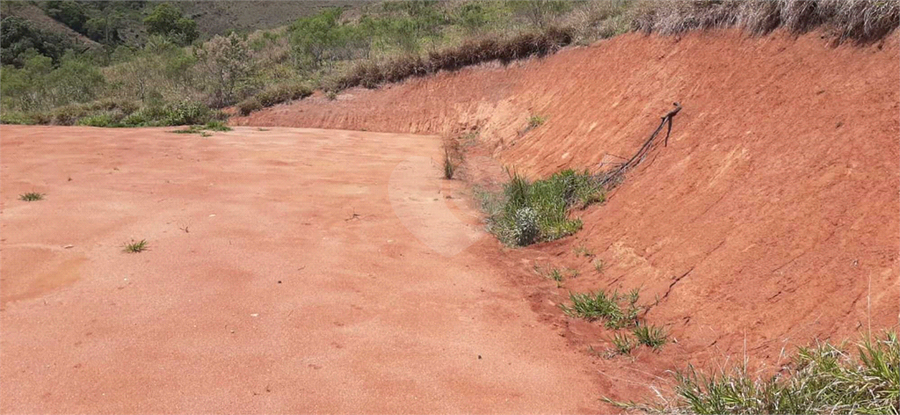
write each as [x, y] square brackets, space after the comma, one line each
[528, 212]
[820, 379]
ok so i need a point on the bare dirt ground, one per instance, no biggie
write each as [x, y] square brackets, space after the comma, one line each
[288, 270]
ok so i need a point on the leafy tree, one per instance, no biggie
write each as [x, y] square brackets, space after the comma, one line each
[17, 36]
[227, 66]
[167, 20]
[314, 38]
[70, 13]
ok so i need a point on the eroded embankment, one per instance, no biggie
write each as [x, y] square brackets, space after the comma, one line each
[770, 220]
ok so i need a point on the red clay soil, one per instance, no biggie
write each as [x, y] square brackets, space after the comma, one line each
[769, 221]
[287, 271]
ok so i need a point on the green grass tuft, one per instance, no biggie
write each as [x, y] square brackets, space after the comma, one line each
[820, 379]
[623, 344]
[136, 247]
[31, 196]
[598, 265]
[650, 336]
[535, 121]
[216, 125]
[618, 311]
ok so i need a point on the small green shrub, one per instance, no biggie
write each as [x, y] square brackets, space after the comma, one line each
[31, 196]
[618, 311]
[136, 119]
[216, 126]
[283, 93]
[15, 117]
[533, 212]
[98, 120]
[623, 344]
[186, 113]
[249, 105]
[135, 247]
[651, 336]
[536, 121]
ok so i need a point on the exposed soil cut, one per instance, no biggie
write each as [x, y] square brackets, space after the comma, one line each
[770, 220]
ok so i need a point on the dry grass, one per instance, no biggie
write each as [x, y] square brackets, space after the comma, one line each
[370, 74]
[862, 21]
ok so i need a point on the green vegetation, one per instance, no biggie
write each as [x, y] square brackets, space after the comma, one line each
[31, 196]
[136, 247]
[152, 55]
[821, 379]
[528, 212]
[166, 20]
[598, 265]
[556, 274]
[203, 129]
[584, 251]
[622, 343]
[650, 336]
[449, 166]
[617, 310]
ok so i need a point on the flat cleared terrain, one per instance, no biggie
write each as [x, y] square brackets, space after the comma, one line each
[287, 270]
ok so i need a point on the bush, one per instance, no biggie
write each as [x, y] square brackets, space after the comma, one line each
[18, 37]
[99, 120]
[249, 105]
[273, 96]
[533, 212]
[227, 68]
[186, 113]
[12, 117]
[167, 20]
[283, 93]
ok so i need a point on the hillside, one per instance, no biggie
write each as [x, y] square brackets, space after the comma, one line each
[769, 221]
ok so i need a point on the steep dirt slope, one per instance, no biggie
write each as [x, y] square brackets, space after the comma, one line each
[771, 219]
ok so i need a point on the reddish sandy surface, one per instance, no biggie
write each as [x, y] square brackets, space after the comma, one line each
[288, 271]
[770, 220]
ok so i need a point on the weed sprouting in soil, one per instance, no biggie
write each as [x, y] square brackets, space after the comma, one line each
[622, 343]
[556, 274]
[650, 335]
[31, 196]
[449, 167]
[136, 247]
[584, 251]
[598, 265]
[617, 310]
